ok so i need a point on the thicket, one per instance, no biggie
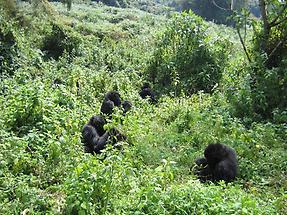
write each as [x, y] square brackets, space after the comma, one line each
[60, 40]
[8, 48]
[266, 83]
[186, 58]
[269, 81]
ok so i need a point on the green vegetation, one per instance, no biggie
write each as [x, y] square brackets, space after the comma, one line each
[208, 91]
[187, 58]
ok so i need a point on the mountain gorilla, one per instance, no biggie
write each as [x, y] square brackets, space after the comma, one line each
[146, 92]
[95, 138]
[219, 163]
[127, 106]
[113, 99]
[107, 107]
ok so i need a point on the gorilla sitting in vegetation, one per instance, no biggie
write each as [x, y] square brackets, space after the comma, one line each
[147, 93]
[113, 99]
[95, 138]
[107, 107]
[113, 96]
[127, 106]
[219, 163]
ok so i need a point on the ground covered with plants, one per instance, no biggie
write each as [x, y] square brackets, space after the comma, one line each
[55, 67]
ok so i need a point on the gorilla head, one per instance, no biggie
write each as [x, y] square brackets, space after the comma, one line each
[147, 93]
[214, 153]
[107, 107]
[111, 100]
[113, 96]
[98, 123]
[145, 86]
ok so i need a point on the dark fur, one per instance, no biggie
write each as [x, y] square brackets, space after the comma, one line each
[107, 107]
[219, 163]
[115, 97]
[147, 93]
[127, 106]
[98, 123]
[95, 137]
[111, 100]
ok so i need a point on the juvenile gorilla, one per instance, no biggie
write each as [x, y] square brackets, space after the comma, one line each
[127, 106]
[146, 92]
[219, 163]
[111, 100]
[95, 138]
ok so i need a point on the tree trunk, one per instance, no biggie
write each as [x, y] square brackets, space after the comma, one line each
[266, 26]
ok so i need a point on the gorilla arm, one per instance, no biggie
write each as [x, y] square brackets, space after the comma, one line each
[92, 140]
[100, 142]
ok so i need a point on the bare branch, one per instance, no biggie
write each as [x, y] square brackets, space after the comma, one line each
[243, 44]
[221, 8]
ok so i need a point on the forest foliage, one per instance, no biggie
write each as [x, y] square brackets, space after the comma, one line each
[214, 83]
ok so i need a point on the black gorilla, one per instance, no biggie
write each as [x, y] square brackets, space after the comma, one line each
[111, 100]
[127, 106]
[98, 123]
[115, 97]
[107, 107]
[219, 163]
[95, 138]
[146, 92]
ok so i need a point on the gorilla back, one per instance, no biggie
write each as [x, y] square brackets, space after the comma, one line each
[147, 93]
[219, 163]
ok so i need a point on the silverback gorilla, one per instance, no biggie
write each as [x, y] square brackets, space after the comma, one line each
[95, 138]
[219, 163]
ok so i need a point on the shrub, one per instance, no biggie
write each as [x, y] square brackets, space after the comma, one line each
[268, 72]
[268, 68]
[186, 58]
[59, 41]
[25, 108]
[8, 47]
[269, 91]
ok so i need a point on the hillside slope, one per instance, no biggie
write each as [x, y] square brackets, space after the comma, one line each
[60, 66]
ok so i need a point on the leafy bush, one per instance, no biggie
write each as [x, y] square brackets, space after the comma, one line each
[268, 72]
[8, 47]
[269, 91]
[186, 58]
[25, 108]
[60, 40]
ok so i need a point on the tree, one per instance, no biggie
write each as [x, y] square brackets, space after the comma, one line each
[268, 58]
[274, 33]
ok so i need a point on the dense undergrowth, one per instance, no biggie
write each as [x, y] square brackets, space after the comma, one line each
[57, 68]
